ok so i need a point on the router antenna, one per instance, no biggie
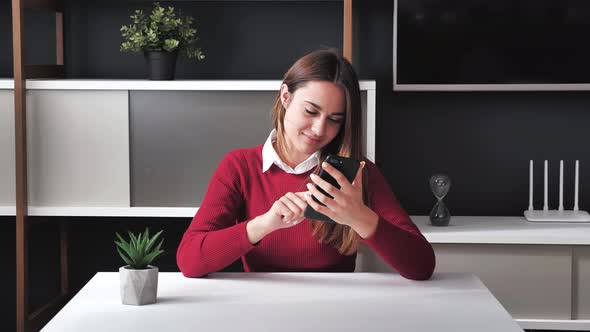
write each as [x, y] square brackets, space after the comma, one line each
[531, 186]
[560, 185]
[545, 205]
[576, 208]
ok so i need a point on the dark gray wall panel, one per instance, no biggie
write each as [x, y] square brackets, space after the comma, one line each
[39, 37]
[8, 277]
[178, 138]
[5, 39]
[241, 39]
[483, 140]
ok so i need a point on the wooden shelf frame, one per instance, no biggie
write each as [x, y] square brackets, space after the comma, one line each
[347, 30]
[26, 320]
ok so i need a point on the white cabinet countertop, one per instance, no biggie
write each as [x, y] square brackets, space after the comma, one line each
[143, 84]
[504, 230]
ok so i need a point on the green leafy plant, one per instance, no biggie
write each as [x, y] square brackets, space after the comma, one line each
[162, 30]
[140, 250]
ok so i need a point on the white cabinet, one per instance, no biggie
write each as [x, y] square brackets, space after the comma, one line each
[531, 281]
[135, 147]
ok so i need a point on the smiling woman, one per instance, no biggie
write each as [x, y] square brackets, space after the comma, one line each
[255, 201]
[307, 126]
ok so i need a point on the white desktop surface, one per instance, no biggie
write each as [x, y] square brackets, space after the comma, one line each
[290, 302]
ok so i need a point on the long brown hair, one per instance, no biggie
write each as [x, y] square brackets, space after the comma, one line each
[327, 65]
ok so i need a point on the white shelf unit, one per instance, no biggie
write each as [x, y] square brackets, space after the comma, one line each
[79, 140]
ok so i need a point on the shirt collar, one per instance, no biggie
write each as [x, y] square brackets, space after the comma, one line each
[270, 157]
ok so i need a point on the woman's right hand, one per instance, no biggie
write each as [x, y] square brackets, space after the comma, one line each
[285, 212]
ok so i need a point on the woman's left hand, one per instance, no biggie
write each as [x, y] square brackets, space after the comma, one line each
[347, 206]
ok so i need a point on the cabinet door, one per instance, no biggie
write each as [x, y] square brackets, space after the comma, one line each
[531, 281]
[7, 161]
[581, 289]
[78, 148]
[178, 138]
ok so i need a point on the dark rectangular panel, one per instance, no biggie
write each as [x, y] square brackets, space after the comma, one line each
[492, 41]
[178, 138]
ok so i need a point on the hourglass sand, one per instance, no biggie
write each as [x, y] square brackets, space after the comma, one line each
[440, 185]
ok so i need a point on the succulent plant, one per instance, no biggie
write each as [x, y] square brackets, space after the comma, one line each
[140, 250]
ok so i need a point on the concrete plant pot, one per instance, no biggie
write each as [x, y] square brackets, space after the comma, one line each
[138, 287]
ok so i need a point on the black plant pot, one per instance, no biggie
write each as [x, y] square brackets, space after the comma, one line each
[161, 64]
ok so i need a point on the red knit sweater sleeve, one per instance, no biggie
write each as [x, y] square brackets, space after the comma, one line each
[214, 238]
[397, 240]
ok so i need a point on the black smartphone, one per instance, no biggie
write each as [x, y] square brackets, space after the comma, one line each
[348, 167]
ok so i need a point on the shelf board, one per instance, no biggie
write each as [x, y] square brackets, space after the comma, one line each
[554, 324]
[7, 211]
[176, 85]
[77, 211]
[6, 83]
[114, 211]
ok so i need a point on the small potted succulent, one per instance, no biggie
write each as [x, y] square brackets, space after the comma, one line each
[161, 36]
[139, 279]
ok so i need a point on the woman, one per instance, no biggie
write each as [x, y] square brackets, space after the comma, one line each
[254, 204]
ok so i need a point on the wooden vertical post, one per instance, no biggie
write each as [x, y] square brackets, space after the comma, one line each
[20, 117]
[347, 27]
[63, 232]
[59, 38]
[63, 249]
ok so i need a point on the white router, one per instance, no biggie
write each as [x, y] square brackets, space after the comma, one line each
[559, 215]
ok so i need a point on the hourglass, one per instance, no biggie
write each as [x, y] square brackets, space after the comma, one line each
[440, 185]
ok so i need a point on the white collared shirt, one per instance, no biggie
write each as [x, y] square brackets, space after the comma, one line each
[270, 157]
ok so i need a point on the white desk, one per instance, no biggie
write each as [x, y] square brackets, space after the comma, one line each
[290, 302]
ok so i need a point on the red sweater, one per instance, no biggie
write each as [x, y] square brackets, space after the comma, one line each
[239, 192]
